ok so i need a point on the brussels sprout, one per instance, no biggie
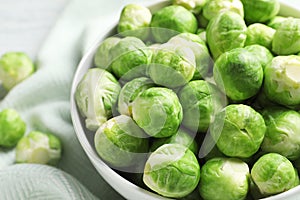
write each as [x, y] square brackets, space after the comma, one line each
[260, 10]
[260, 34]
[172, 65]
[262, 54]
[200, 50]
[194, 6]
[134, 21]
[282, 80]
[102, 58]
[39, 147]
[181, 137]
[214, 7]
[96, 94]
[239, 74]
[202, 34]
[224, 178]
[286, 40]
[130, 57]
[172, 20]
[121, 143]
[14, 68]
[157, 110]
[283, 132]
[273, 173]
[238, 130]
[200, 101]
[254, 191]
[130, 91]
[188, 38]
[276, 21]
[226, 31]
[172, 171]
[12, 127]
[297, 180]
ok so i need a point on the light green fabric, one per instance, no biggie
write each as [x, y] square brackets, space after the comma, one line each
[36, 182]
[43, 102]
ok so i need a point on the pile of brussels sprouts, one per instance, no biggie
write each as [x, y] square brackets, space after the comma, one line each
[199, 99]
[36, 146]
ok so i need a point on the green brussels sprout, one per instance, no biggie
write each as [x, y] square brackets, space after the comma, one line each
[14, 68]
[282, 80]
[226, 31]
[262, 54]
[260, 10]
[172, 65]
[200, 101]
[187, 37]
[130, 57]
[102, 58]
[130, 91]
[121, 143]
[96, 95]
[200, 50]
[39, 147]
[181, 137]
[194, 6]
[154, 46]
[260, 34]
[202, 34]
[238, 74]
[158, 111]
[134, 21]
[224, 178]
[12, 127]
[286, 39]
[172, 170]
[172, 20]
[273, 173]
[276, 21]
[283, 132]
[254, 192]
[214, 7]
[238, 130]
[297, 180]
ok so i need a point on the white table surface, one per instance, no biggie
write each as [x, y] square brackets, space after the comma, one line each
[24, 24]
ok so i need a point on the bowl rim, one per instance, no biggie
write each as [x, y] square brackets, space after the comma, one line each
[108, 174]
[112, 178]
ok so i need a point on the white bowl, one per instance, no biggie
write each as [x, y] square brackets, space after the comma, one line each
[127, 189]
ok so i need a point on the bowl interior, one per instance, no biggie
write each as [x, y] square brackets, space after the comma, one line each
[86, 137]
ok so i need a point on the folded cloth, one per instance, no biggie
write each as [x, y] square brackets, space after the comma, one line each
[27, 181]
[43, 101]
